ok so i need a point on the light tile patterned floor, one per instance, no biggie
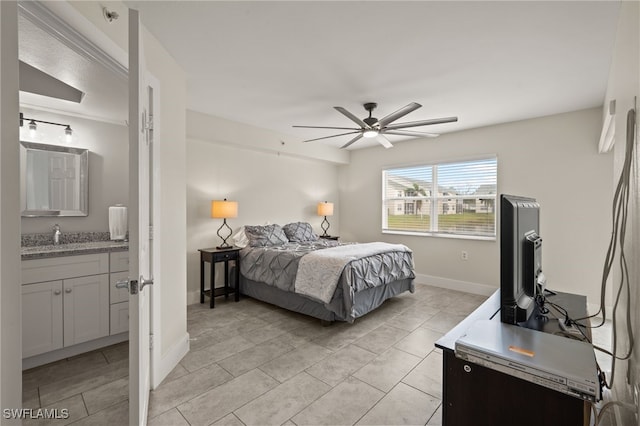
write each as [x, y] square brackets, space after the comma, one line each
[253, 363]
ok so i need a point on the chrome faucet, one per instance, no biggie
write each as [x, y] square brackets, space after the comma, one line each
[56, 234]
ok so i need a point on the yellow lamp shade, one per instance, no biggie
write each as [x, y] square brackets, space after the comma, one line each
[224, 209]
[325, 209]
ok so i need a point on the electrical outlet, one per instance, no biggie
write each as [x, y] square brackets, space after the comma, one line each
[464, 255]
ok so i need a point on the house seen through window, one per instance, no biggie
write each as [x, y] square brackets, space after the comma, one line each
[455, 199]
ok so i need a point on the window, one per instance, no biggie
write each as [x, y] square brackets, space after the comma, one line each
[455, 199]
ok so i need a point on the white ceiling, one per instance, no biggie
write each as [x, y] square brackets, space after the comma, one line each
[276, 64]
[105, 93]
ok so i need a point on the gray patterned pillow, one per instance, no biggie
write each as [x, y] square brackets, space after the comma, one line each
[299, 231]
[267, 235]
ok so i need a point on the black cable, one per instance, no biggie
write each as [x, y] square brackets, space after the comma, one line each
[620, 212]
[569, 322]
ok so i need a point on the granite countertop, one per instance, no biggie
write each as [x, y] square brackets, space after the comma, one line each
[71, 249]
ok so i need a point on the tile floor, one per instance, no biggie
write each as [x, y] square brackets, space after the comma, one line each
[253, 363]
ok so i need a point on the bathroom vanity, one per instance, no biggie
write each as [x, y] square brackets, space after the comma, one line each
[70, 304]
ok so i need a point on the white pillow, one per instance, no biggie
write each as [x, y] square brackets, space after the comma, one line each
[240, 238]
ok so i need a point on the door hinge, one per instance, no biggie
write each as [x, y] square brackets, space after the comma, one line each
[151, 232]
[147, 121]
[147, 125]
[150, 341]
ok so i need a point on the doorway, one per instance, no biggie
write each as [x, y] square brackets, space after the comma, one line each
[91, 378]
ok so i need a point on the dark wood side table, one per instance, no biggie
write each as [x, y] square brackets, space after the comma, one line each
[476, 395]
[213, 256]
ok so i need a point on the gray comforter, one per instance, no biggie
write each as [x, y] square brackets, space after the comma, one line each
[278, 265]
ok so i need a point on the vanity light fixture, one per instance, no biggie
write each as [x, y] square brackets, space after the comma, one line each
[69, 133]
[33, 127]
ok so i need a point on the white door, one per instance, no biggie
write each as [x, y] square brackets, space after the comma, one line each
[139, 244]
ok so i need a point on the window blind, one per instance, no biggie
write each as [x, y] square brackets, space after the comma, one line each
[456, 198]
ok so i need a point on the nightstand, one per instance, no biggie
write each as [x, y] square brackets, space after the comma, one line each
[330, 237]
[214, 256]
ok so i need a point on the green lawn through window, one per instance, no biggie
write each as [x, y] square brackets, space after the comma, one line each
[472, 223]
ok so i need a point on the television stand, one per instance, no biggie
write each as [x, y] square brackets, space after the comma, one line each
[476, 395]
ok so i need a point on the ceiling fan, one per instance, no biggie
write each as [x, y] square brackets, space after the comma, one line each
[371, 127]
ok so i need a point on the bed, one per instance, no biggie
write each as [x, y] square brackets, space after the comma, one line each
[325, 279]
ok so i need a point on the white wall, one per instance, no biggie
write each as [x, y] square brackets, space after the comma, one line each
[206, 127]
[624, 85]
[10, 329]
[170, 306]
[170, 179]
[108, 168]
[268, 186]
[553, 159]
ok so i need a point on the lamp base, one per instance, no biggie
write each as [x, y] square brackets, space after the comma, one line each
[224, 244]
[325, 227]
[227, 247]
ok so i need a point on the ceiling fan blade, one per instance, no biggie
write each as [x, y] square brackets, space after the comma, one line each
[421, 123]
[333, 136]
[352, 117]
[323, 127]
[399, 113]
[410, 133]
[357, 138]
[383, 141]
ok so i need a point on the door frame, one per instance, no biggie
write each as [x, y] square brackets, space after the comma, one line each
[67, 24]
[10, 289]
[156, 289]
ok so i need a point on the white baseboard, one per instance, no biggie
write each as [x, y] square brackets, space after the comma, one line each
[167, 361]
[466, 286]
[193, 297]
[74, 350]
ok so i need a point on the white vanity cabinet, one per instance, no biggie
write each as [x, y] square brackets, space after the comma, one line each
[41, 317]
[119, 268]
[86, 316]
[65, 301]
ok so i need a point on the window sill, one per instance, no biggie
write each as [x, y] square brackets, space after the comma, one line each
[440, 235]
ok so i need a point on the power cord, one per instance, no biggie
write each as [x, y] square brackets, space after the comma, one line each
[620, 209]
[599, 415]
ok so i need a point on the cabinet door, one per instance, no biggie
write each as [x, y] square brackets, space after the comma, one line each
[41, 318]
[86, 308]
[119, 317]
[474, 394]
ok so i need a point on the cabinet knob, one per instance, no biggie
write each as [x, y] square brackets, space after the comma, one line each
[467, 368]
[67, 290]
[57, 292]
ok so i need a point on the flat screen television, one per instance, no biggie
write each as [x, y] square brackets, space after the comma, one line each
[520, 257]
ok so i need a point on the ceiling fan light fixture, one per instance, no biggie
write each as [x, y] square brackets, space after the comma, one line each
[371, 133]
[372, 128]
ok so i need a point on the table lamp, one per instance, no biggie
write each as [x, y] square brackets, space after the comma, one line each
[325, 209]
[223, 210]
